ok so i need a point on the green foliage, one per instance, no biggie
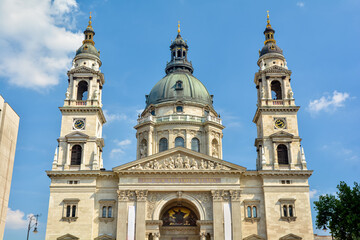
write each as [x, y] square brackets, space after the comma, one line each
[340, 213]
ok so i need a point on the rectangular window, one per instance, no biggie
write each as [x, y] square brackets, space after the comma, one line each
[107, 210]
[252, 210]
[70, 209]
[287, 209]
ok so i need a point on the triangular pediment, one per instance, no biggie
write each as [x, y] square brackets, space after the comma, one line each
[290, 237]
[67, 237]
[281, 134]
[179, 159]
[105, 237]
[254, 237]
[82, 69]
[76, 135]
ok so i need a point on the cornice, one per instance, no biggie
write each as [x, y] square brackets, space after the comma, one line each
[274, 109]
[273, 69]
[179, 172]
[87, 70]
[307, 173]
[78, 109]
[81, 173]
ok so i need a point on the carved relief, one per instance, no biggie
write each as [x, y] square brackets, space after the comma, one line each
[235, 195]
[141, 195]
[180, 162]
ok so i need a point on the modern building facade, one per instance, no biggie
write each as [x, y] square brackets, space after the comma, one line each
[9, 126]
[179, 187]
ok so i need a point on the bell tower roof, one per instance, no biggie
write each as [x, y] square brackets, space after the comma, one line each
[179, 61]
[88, 46]
[270, 42]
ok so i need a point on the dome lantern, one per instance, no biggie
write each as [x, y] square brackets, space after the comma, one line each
[270, 42]
[179, 61]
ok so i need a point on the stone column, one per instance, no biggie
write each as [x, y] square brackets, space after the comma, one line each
[141, 196]
[291, 162]
[275, 157]
[218, 215]
[121, 226]
[150, 141]
[236, 214]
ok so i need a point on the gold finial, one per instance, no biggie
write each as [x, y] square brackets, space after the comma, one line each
[179, 27]
[90, 20]
[268, 19]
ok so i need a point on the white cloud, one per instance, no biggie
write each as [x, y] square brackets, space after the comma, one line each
[313, 193]
[119, 150]
[16, 220]
[110, 117]
[36, 45]
[300, 4]
[328, 103]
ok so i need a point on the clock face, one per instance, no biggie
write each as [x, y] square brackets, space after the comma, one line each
[79, 124]
[279, 123]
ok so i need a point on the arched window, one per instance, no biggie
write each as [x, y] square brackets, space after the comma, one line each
[163, 144]
[104, 212]
[179, 54]
[291, 212]
[276, 90]
[76, 155]
[73, 214]
[195, 145]
[179, 85]
[179, 109]
[282, 154]
[82, 92]
[254, 212]
[109, 212]
[179, 142]
[249, 212]
[285, 211]
[184, 54]
[68, 210]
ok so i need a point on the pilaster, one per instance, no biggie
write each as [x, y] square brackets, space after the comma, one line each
[141, 196]
[236, 214]
[218, 216]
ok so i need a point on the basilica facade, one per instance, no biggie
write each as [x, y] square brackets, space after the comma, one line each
[179, 187]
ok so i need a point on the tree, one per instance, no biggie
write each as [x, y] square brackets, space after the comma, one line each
[340, 213]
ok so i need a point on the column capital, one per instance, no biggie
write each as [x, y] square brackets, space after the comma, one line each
[141, 195]
[126, 195]
[216, 194]
[235, 195]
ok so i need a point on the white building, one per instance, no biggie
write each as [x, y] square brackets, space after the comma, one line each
[179, 187]
[9, 126]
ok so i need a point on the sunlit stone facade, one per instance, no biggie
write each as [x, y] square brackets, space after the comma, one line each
[179, 187]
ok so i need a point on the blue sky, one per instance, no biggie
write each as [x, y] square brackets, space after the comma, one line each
[320, 40]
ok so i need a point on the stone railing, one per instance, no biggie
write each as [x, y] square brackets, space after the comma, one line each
[179, 118]
[79, 103]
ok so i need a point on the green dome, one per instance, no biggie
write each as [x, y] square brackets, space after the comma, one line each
[179, 86]
[88, 48]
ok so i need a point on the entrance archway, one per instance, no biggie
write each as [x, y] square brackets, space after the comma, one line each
[179, 218]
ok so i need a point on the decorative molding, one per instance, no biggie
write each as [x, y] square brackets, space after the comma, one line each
[254, 237]
[67, 237]
[252, 220]
[69, 220]
[106, 220]
[235, 195]
[290, 237]
[141, 195]
[288, 219]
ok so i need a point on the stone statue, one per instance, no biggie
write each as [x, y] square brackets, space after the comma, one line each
[202, 164]
[194, 164]
[179, 162]
[291, 94]
[171, 163]
[262, 64]
[67, 94]
[156, 164]
[214, 150]
[211, 165]
[96, 94]
[187, 163]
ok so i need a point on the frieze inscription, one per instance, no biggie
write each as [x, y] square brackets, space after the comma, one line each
[179, 180]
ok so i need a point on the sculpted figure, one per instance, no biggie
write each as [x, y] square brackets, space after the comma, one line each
[202, 164]
[147, 166]
[156, 164]
[210, 165]
[67, 94]
[291, 94]
[179, 162]
[171, 163]
[194, 164]
[96, 94]
[187, 163]
[151, 164]
[165, 164]
[139, 167]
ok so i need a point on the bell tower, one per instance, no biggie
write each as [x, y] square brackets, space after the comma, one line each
[278, 141]
[80, 143]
